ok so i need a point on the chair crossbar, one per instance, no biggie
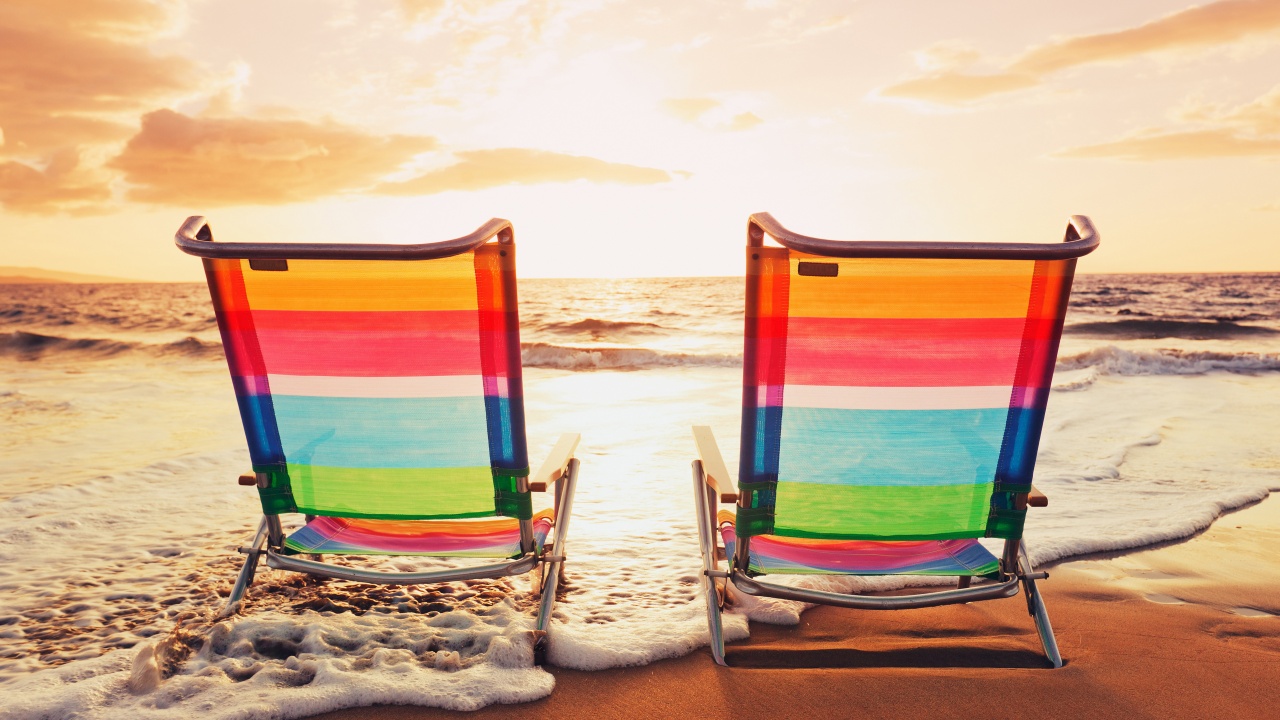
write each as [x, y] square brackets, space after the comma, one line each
[518, 566]
[751, 586]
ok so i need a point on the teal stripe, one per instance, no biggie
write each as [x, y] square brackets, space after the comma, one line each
[383, 432]
[890, 447]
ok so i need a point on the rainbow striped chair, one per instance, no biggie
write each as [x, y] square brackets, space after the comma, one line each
[893, 396]
[380, 391]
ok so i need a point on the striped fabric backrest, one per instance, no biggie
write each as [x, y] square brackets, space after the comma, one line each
[379, 388]
[890, 398]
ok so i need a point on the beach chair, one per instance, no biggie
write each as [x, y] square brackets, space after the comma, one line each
[380, 391]
[893, 397]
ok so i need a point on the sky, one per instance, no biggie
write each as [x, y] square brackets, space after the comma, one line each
[634, 138]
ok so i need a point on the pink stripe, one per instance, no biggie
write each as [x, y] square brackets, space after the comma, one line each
[853, 556]
[337, 533]
[902, 352]
[374, 353]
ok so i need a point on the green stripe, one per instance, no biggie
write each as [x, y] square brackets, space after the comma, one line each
[390, 493]
[868, 512]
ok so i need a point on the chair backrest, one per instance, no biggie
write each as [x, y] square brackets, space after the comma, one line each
[900, 394]
[377, 388]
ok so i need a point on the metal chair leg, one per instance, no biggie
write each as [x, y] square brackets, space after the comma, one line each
[553, 571]
[1036, 608]
[253, 554]
[703, 498]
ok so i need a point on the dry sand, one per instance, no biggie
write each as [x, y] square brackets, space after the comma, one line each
[1189, 630]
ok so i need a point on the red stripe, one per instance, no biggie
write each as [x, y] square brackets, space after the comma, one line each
[770, 328]
[239, 343]
[362, 344]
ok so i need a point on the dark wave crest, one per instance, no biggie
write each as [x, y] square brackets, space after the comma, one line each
[598, 328]
[1154, 329]
[34, 346]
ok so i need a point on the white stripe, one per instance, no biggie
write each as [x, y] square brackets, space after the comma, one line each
[897, 398]
[377, 387]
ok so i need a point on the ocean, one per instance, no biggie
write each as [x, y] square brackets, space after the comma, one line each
[120, 512]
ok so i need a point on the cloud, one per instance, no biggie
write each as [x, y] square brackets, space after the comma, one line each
[422, 9]
[1215, 143]
[954, 88]
[181, 160]
[1248, 130]
[76, 73]
[744, 121]
[61, 186]
[690, 109]
[78, 66]
[711, 114]
[1212, 24]
[480, 169]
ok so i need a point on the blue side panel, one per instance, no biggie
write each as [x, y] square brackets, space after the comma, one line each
[765, 444]
[259, 419]
[1018, 456]
[507, 447]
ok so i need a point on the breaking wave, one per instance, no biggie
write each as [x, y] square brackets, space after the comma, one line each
[34, 346]
[1153, 329]
[598, 328]
[1112, 360]
[545, 355]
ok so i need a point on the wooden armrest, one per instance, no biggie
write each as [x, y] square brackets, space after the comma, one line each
[248, 479]
[556, 464]
[1035, 498]
[713, 467]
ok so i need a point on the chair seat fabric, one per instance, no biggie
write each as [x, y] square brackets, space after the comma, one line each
[488, 538]
[772, 554]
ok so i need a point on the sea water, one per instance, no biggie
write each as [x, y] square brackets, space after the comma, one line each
[120, 514]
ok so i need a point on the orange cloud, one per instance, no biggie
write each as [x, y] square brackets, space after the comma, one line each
[955, 88]
[418, 9]
[1217, 23]
[60, 186]
[710, 114]
[479, 169]
[181, 160]
[1214, 143]
[744, 121]
[75, 73]
[690, 109]
[1248, 130]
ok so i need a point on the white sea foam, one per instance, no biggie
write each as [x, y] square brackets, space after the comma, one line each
[1112, 360]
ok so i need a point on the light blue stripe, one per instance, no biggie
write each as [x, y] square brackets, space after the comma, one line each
[383, 432]
[890, 447]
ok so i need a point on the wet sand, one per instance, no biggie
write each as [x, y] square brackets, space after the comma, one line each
[1189, 630]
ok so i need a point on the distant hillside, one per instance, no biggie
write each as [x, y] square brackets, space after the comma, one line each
[28, 275]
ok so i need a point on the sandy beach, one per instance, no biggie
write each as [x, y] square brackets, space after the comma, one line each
[1189, 630]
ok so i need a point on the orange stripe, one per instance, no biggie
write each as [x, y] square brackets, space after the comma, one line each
[912, 288]
[441, 284]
